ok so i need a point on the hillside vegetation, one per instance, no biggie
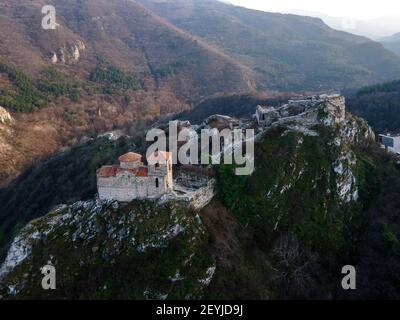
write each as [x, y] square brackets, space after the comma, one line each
[379, 105]
[109, 64]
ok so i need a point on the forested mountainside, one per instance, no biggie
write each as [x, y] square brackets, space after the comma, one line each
[323, 195]
[107, 65]
[113, 63]
[378, 104]
[288, 52]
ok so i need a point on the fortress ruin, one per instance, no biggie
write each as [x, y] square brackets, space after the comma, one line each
[308, 110]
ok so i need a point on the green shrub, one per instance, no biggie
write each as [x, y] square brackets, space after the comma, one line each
[26, 97]
[113, 79]
[54, 84]
[389, 238]
[231, 186]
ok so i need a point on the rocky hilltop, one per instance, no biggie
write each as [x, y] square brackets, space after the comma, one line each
[283, 232]
[154, 252]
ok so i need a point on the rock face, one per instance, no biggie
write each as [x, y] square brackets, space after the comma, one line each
[69, 53]
[5, 117]
[156, 251]
[221, 122]
[304, 117]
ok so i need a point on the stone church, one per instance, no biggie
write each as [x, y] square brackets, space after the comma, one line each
[131, 179]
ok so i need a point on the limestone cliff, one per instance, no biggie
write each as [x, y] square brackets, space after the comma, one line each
[108, 250]
[69, 53]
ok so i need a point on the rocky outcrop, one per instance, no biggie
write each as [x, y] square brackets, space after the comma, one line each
[309, 118]
[69, 53]
[160, 247]
[221, 122]
[5, 116]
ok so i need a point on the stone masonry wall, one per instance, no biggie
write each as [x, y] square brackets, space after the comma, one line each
[203, 196]
[196, 199]
[126, 187]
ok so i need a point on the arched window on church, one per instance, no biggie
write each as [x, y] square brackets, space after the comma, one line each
[157, 182]
[157, 165]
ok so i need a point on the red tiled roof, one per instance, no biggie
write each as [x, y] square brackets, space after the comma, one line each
[111, 171]
[142, 172]
[107, 171]
[130, 157]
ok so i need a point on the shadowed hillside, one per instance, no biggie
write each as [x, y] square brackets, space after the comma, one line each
[379, 105]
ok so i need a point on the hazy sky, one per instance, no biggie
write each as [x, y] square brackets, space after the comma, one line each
[356, 9]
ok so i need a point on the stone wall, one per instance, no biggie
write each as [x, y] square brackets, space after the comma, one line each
[196, 199]
[203, 196]
[192, 178]
[125, 187]
[266, 115]
[131, 165]
[326, 109]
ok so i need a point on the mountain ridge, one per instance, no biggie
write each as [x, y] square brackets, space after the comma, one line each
[280, 41]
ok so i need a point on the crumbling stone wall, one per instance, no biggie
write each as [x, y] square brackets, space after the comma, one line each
[196, 199]
[329, 109]
[203, 196]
